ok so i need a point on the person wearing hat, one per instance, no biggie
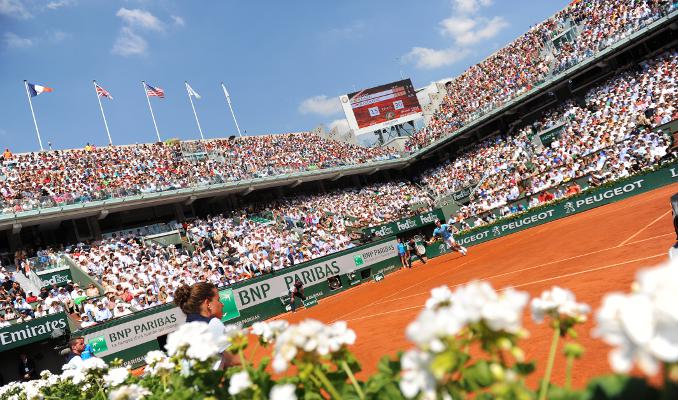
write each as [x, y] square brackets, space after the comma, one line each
[85, 321]
[102, 313]
[121, 309]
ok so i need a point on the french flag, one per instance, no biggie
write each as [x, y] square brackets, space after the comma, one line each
[35, 90]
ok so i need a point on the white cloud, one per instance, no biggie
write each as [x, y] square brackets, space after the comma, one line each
[178, 20]
[470, 6]
[425, 58]
[129, 43]
[321, 105]
[140, 19]
[14, 8]
[14, 41]
[56, 4]
[465, 27]
[470, 30]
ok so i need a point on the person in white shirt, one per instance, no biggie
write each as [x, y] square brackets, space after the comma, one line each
[121, 310]
[85, 322]
[102, 313]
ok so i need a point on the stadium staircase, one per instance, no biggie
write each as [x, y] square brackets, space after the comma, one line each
[29, 285]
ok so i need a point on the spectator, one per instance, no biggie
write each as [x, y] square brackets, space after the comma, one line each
[27, 370]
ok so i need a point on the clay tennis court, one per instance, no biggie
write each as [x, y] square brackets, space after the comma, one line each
[591, 253]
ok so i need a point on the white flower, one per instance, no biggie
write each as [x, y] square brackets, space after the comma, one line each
[154, 356]
[283, 392]
[93, 364]
[440, 296]
[432, 326]
[269, 331]
[116, 376]
[196, 340]
[32, 389]
[129, 392]
[416, 375]
[558, 302]
[157, 363]
[643, 326]
[447, 313]
[310, 336]
[76, 375]
[240, 381]
[505, 313]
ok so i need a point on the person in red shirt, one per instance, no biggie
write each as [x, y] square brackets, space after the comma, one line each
[545, 196]
[573, 189]
[31, 298]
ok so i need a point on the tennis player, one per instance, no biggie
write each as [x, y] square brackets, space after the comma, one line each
[443, 232]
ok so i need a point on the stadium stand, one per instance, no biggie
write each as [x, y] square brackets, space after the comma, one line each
[611, 136]
[591, 26]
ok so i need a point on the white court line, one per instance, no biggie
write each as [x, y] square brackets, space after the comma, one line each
[522, 284]
[402, 290]
[387, 300]
[645, 227]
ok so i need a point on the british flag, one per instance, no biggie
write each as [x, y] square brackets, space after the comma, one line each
[101, 92]
[153, 91]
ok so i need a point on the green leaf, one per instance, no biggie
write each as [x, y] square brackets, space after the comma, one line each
[479, 375]
[558, 393]
[443, 363]
[525, 368]
[620, 387]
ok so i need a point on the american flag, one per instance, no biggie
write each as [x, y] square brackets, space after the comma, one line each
[101, 92]
[157, 92]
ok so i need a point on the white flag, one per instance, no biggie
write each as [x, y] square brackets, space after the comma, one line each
[192, 92]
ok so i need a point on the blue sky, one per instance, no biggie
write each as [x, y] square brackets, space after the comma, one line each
[284, 62]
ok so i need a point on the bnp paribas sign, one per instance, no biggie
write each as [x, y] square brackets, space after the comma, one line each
[35, 330]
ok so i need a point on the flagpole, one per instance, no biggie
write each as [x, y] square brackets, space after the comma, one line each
[30, 103]
[110, 141]
[228, 100]
[190, 98]
[143, 83]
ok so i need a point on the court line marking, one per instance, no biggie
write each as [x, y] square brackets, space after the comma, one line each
[520, 285]
[389, 299]
[645, 227]
[402, 290]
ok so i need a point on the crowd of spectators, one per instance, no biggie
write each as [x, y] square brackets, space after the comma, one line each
[533, 57]
[18, 305]
[610, 137]
[46, 179]
[260, 239]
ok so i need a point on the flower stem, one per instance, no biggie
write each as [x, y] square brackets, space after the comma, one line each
[328, 385]
[549, 365]
[243, 361]
[568, 372]
[254, 351]
[351, 377]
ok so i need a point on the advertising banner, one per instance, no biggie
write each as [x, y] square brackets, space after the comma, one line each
[57, 276]
[35, 330]
[588, 200]
[312, 273]
[127, 333]
[415, 222]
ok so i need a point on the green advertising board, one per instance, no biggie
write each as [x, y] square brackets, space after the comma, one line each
[267, 296]
[130, 337]
[230, 309]
[406, 224]
[587, 200]
[56, 276]
[35, 330]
